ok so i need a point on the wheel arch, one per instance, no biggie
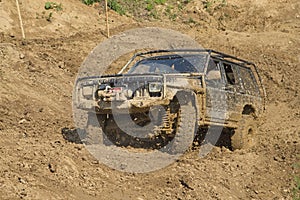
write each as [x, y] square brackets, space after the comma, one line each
[249, 109]
[183, 94]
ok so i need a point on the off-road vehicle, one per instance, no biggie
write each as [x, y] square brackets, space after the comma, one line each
[160, 99]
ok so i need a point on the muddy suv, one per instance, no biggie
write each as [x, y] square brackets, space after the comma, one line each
[161, 98]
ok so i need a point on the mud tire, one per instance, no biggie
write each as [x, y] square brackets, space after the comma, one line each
[244, 135]
[186, 129]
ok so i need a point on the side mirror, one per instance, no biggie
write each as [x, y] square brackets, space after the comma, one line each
[213, 75]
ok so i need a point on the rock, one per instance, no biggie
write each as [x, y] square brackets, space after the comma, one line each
[52, 167]
[61, 65]
[276, 158]
[22, 121]
[21, 180]
[21, 56]
[123, 166]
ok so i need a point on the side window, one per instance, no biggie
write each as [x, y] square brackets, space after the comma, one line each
[212, 65]
[229, 74]
[249, 81]
[213, 74]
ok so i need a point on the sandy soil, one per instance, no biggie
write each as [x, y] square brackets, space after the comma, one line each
[37, 77]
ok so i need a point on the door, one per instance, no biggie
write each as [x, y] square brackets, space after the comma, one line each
[215, 92]
[234, 90]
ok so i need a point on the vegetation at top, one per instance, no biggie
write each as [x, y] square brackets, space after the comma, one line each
[144, 8]
[155, 9]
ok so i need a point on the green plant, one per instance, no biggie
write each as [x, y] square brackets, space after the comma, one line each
[48, 5]
[191, 21]
[173, 16]
[53, 5]
[114, 5]
[207, 4]
[224, 2]
[154, 14]
[149, 6]
[90, 2]
[170, 13]
[296, 188]
[180, 6]
[140, 9]
[169, 9]
[161, 2]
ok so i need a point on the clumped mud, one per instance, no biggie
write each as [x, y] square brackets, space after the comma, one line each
[37, 77]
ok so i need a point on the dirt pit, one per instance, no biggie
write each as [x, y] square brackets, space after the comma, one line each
[37, 77]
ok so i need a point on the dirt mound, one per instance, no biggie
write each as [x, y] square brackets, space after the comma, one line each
[37, 77]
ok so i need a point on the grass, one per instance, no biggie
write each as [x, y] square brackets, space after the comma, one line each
[90, 2]
[53, 5]
[212, 5]
[160, 1]
[156, 9]
[150, 6]
[114, 5]
[191, 21]
[154, 14]
[207, 4]
[296, 188]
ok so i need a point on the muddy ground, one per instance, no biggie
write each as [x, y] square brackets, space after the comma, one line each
[37, 76]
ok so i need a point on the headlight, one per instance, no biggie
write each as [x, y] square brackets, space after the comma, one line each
[155, 87]
[87, 91]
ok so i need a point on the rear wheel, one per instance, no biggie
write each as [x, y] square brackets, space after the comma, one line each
[244, 135]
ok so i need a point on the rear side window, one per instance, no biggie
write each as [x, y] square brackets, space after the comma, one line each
[233, 77]
[249, 81]
[230, 77]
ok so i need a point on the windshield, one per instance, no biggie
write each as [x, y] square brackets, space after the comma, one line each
[170, 64]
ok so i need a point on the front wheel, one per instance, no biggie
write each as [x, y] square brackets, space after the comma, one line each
[175, 127]
[186, 128]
